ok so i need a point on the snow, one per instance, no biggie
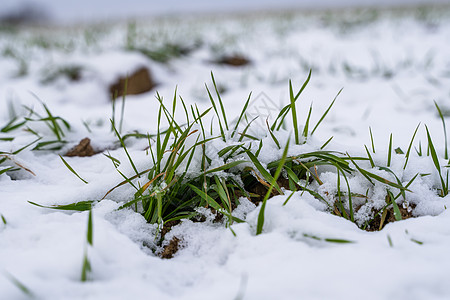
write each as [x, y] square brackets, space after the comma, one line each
[397, 65]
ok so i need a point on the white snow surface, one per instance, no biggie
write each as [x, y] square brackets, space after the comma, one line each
[392, 67]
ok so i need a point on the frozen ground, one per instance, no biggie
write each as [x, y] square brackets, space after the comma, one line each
[392, 66]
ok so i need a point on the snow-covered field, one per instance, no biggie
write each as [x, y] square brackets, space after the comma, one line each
[392, 65]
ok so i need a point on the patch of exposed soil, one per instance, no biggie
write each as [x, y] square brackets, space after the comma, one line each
[378, 223]
[171, 248]
[168, 227]
[136, 83]
[83, 149]
[234, 60]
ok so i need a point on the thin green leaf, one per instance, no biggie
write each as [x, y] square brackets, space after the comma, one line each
[244, 109]
[78, 206]
[371, 140]
[90, 229]
[273, 183]
[266, 175]
[124, 147]
[306, 127]
[397, 213]
[445, 130]
[72, 170]
[326, 112]
[22, 287]
[272, 135]
[225, 166]
[389, 151]
[326, 143]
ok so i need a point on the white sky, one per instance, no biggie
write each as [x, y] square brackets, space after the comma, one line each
[83, 10]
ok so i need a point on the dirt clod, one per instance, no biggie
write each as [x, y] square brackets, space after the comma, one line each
[171, 248]
[136, 83]
[83, 149]
[234, 60]
[389, 218]
[168, 226]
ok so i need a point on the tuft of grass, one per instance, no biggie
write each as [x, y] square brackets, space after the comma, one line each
[188, 171]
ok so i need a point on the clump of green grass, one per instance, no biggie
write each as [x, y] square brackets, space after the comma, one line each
[173, 192]
[56, 124]
[156, 51]
[70, 72]
[187, 171]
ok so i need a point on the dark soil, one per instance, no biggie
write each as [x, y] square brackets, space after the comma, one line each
[83, 149]
[171, 248]
[168, 227]
[136, 83]
[234, 60]
[390, 217]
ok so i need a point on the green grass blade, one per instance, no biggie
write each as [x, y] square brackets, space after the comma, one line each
[371, 139]
[244, 109]
[86, 268]
[124, 147]
[266, 175]
[410, 146]
[326, 143]
[372, 164]
[22, 287]
[90, 229]
[445, 130]
[10, 126]
[243, 134]
[389, 151]
[350, 201]
[397, 213]
[288, 198]
[225, 166]
[435, 159]
[222, 132]
[72, 170]
[260, 224]
[272, 135]
[326, 112]
[2, 171]
[369, 176]
[79, 206]
[294, 114]
[220, 101]
[306, 127]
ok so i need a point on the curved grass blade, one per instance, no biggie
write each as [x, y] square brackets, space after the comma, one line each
[125, 148]
[264, 172]
[72, 170]
[79, 206]
[435, 159]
